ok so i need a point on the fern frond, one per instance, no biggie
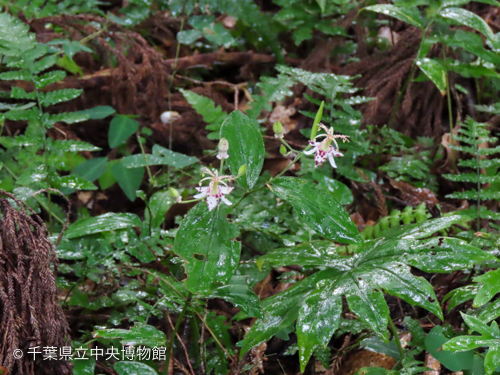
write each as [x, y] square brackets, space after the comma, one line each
[213, 115]
[472, 177]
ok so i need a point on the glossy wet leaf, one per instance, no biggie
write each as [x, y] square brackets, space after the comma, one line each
[140, 334]
[317, 209]
[129, 179]
[104, 223]
[489, 288]
[490, 338]
[245, 147]
[340, 192]
[317, 322]
[460, 295]
[435, 72]
[239, 294]
[207, 243]
[159, 204]
[120, 128]
[452, 361]
[133, 368]
[160, 156]
[92, 169]
[84, 367]
[406, 14]
[467, 18]
[376, 267]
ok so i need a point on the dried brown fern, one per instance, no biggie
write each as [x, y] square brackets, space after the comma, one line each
[30, 314]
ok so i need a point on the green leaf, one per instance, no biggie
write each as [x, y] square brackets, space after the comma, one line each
[133, 368]
[318, 320]
[159, 203]
[69, 145]
[322, 4]
[188, 37]
[14, 36]
[452, 361]
[129, 179]
[492, 359]
[460, 295]
[58, 96]
[160, 156]
[467, 18]
[435, 71]
[104, 223]
[99, 112]
[317, 209]
[408, 15]
[316, 253]
[206, 242]
[213, 115]
[84, 367]
[340, 191]
[480, 327]
[92, 169]
[140, 334]
[120, 129]
[245, 147]
[239, 294]
[489, 288]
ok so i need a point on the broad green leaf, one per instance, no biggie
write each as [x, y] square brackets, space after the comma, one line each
[316, 253]
[280, 311]
[435, 71]
[340, 192]
[84, 367]
[133, 368]
[120, 129]
[69, 145]
[239, 294]
[452, 361]
[422, 230]
[188, 36]
[489, 288]
[318, 320]
[160, 156]
[99, 112]
[467, 18]
[158, 204]
[460, 295]
[129, 179]
[92, 169]
[245, 147]
[490, 312]
[140, 334]
[104, 223]
[492, 359]
[71, 182]
[317, 209]
[464, 343]
[107, 179]
[207, 243]
[408, 15]
[322, 4]
[477, 325]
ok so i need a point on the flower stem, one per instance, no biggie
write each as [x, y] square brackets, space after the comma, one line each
[287, 145]
[221, 166]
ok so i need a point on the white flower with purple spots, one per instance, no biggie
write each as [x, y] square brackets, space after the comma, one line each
[325, 150]
[216, 189]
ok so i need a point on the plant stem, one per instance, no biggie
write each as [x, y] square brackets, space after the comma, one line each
[151, 180]
[398, 342]
[450, 114]
[174, 333]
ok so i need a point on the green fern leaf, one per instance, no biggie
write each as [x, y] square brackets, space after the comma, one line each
[59, 96]
[213, 115]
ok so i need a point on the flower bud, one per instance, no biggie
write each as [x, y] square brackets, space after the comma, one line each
[278, 129]
[175, 195]
[223, 147]
[283, 150]
[242, 170]
[169, 116]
